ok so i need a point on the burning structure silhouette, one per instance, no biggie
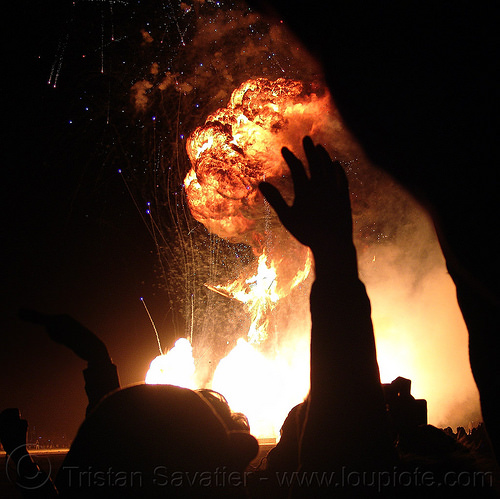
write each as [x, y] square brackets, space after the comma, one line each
[238, 147]
[254, 90]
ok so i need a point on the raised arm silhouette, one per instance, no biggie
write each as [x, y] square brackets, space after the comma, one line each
[101, 375]
[417, 85]
[346, 426]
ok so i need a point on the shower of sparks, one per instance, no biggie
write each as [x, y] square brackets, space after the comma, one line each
[75, 18]
[153, 73]
[55, 70]
[182, 32]
[153, 324]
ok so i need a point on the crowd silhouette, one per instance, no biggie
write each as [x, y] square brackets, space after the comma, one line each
[162, 440]
[415, 87]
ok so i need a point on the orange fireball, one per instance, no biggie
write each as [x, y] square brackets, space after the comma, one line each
[238, 147]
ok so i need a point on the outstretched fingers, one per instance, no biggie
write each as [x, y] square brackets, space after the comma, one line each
[297, 170]
[275, 199]
[314, 159]
[320, 211]
[29, 315]
[332, 169]
[300, 181]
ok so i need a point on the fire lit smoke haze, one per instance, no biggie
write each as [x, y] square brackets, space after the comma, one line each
[238, 89]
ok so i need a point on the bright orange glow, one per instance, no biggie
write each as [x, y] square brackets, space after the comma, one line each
[263, 388]
[394, 356]
[419, 330]
[260, 293]
[176, 367]
[239, 146]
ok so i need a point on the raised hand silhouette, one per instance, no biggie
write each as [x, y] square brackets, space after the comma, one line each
[345, 426]
[101, 375]
[320, 216]
[67, 331]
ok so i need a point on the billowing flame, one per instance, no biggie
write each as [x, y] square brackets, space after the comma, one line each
[236, 148]
[176, 367]
[260, 294]
[263, 388]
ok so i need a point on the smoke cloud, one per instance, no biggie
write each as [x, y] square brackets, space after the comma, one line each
[419, 330]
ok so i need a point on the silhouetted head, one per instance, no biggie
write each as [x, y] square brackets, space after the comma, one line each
[285, 456]
[155, 440]
[233, 420]
[450, 467]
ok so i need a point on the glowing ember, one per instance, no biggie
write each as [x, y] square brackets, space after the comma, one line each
[176, 367]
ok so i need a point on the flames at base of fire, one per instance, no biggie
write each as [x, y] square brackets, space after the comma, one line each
[262, 388]
[176, 367]
[266, 387]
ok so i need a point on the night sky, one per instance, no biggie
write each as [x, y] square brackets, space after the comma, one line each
[76, 236]
[72, 239]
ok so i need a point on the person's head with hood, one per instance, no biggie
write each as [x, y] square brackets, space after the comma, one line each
[155, 441]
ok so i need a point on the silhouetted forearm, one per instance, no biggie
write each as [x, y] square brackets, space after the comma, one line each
[32, 482]
[346, 423]
[101, 378]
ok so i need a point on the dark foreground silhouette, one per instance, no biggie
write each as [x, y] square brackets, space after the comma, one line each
[165, 441]
[417, 84]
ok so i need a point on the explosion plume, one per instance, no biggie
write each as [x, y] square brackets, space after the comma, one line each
[231, 242]
[238, 147]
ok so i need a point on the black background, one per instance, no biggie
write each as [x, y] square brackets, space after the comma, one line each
[72, 239]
